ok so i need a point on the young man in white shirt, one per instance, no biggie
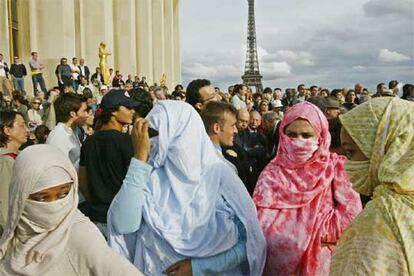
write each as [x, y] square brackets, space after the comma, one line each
[75, 73]
[70, 111]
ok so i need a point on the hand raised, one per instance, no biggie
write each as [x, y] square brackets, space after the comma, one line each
[140, 139]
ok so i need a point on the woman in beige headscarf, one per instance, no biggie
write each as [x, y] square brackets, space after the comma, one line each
[378, 138]
[45, 233]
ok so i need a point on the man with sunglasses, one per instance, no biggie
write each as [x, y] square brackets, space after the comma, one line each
[35, 114]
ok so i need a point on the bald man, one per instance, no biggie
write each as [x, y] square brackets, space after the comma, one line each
[255, 121]
[243, 119]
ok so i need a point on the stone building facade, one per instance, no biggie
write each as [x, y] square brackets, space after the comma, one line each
[142, 35]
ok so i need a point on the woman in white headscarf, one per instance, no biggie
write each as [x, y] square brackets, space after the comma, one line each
[45, 233]
[181, 209]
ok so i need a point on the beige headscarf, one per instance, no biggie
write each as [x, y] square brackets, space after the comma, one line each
[37, 233]
[383, 130]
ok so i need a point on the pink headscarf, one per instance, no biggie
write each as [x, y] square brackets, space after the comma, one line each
[304, 204]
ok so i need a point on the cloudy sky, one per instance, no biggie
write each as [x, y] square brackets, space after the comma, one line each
[325, 42]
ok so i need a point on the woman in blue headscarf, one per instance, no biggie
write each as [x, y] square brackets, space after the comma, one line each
[181, 209]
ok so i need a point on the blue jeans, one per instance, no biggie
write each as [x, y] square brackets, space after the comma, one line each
[75, 85]
[38, 79]
[19, 85]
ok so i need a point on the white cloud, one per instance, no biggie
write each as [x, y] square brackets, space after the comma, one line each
[358, 68]
[274, 70]
[199, 70]
[286, 55]
[304, 46]
[230, 70]
[213, 69]
[262, 53]
[301, 57]
[388, 56]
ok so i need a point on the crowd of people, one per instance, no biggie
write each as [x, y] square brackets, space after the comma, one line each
[128, 178]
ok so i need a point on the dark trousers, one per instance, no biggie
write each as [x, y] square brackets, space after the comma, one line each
[75, 84]
[38, 79]
[66, 81]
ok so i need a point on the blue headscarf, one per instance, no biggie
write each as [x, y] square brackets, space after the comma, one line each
[194, 195]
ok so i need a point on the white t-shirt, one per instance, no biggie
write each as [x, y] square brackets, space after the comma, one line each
[35, 117]
[81, 87]
[67, 141]
[2, 71]
[237, 102]
[74, 68]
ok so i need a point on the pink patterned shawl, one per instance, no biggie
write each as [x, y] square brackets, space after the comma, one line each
[303, 208]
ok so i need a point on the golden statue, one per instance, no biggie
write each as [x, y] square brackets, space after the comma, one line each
[163, 80]
[102, 62]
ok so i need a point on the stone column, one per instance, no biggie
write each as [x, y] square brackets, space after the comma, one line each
[33, 25]
[25, 38]
[144, 39]
[4, 31]
[124, 37]
[96, 25]
[169, 43]
[158, 41]
[177, 42]
[78, 34]
[52, 33]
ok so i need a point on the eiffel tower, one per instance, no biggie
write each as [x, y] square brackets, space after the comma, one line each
[252, 75]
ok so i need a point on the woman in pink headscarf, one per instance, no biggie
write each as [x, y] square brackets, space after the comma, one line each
[303, 197]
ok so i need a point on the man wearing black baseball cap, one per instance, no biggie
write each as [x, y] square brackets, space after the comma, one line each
[115, 98]
[105, 156]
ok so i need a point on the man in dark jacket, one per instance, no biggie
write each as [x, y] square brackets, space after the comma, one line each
[18, 72]
[64, 74]
[83, 70]
[271, 121]
[253, 144]
[97, 78]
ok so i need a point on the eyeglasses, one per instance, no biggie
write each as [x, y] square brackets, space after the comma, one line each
[36, 103]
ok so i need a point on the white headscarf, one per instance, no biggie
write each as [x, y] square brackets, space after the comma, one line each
[36, 233]
[193, 196]
[185, 191]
